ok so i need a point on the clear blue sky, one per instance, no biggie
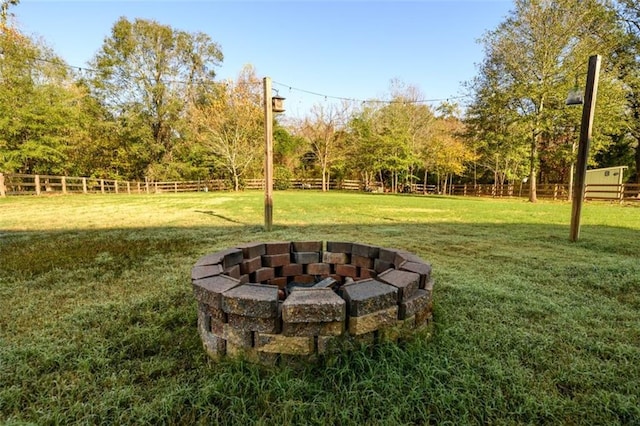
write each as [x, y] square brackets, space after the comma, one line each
[339, 48]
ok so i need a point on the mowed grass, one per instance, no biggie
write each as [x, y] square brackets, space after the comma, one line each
[98, 321]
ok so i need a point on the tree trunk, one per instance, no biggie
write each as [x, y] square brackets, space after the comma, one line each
[424, 185]
[236, 182]
[533, 196]
[395, 182]
[495, 178]
[324, 178]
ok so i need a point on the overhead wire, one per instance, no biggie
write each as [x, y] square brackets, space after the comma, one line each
[381, 101]
[283, 85]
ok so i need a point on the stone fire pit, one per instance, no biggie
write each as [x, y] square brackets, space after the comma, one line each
[296, 300]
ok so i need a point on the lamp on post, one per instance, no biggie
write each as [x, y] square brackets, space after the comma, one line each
[588, 109]
[575, 96]
[271, 104]
[277, 103]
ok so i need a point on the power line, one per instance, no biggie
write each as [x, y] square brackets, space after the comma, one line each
[297, 89]
[381, 101]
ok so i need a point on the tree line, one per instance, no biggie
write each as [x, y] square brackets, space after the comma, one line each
[148, 105]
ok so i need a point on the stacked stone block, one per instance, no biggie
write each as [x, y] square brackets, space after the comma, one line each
[247, 308]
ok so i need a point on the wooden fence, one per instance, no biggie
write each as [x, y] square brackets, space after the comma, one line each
[21, 184]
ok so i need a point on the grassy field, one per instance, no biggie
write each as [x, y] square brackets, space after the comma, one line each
[98, 321]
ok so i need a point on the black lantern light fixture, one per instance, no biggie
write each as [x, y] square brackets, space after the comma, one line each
[576, 95]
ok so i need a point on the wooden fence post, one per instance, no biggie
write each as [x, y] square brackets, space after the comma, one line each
[115, 185]
[84, 185]
[64, 184]
[37, 183]
[102, 186]
[128, 187]
[3, 189]
[175, 187]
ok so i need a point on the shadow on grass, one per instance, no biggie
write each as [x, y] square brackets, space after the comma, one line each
[219, 216]
[42, 251]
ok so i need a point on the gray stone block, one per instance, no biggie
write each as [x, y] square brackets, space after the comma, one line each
[313, 305]
[335, 328]
[406, 282]
[305, 257]
[199, 272]
[367, 296]
[232, 258]
[209, 290]
[251, 300]
[211, 259]
[417, 303]
[424, 269]
[263, 325]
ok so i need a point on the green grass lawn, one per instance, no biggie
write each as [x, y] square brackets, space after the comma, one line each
[98, 321]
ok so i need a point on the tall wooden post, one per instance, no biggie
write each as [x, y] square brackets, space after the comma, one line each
[268, 151]
[591, 92]
[3, 189]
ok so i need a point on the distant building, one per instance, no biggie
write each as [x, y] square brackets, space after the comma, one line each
[604, 184]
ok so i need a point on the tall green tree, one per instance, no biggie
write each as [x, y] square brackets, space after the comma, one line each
[388, 138]
[38, 106]
[629, 66]
[534, 57]
[147, 73]
[366, 152]
[230, 123]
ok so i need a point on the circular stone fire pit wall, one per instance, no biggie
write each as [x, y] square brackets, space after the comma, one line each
[290, 300]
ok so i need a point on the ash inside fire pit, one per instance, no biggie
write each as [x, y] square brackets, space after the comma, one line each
[276, 300]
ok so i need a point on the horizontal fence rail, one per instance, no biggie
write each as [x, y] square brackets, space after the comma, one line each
[24, 184]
